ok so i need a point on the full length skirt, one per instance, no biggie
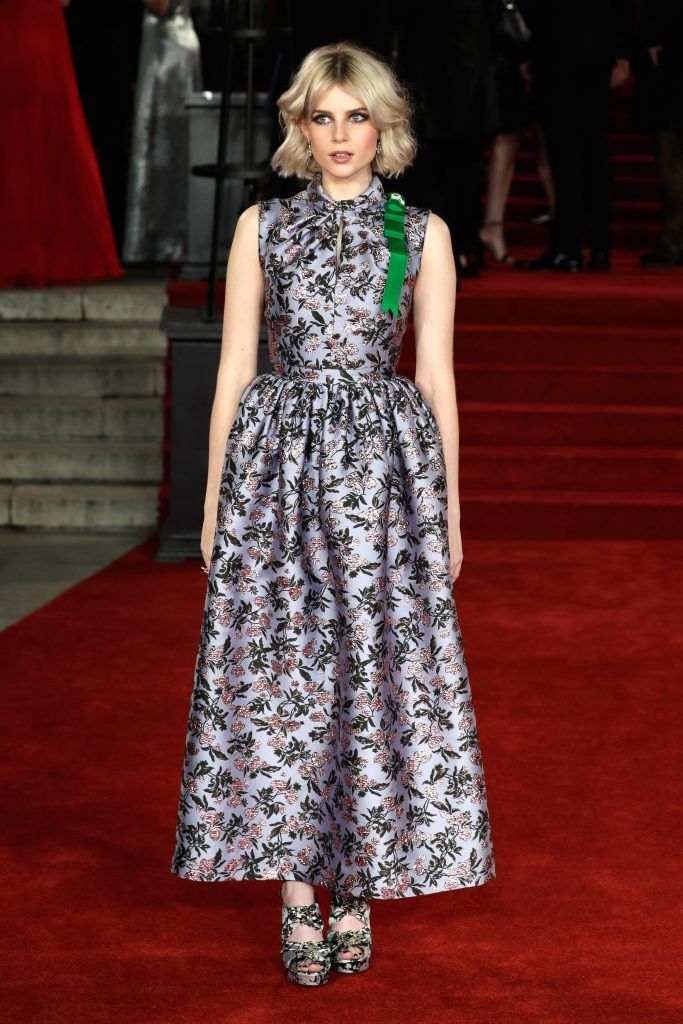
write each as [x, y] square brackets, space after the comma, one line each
[331, 735]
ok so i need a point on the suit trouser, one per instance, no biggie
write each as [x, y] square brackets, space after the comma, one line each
[575, 117]
[670, 160]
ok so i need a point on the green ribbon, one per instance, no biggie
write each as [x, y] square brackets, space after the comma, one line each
[394, 231]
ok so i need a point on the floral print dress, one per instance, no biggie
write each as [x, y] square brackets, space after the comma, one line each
[332, 736]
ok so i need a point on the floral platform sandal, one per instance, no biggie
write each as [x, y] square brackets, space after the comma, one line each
[295, 954]
[342, 903]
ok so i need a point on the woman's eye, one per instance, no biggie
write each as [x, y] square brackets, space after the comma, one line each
[356, 118]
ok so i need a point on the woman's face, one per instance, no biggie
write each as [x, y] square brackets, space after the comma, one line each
[343, 139]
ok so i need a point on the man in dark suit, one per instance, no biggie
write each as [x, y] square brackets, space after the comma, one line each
[580, 49]
[444, 55]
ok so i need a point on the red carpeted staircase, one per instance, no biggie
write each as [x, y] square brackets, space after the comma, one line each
[570, 396]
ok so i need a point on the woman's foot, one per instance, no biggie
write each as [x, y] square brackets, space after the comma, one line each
[348, 934]
[300, 894]
[348, 923]
[492, 237]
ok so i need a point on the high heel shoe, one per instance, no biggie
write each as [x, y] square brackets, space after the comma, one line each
[295, 953]
[342, 903]
[506, 257]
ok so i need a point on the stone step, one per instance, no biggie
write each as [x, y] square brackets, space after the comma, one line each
[80, 418]
[91, 507]
[115, 300]
[83, 378]
[86, 339]
[81, 461]
[5, 495]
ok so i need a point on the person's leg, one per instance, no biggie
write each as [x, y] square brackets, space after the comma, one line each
[466, 189]
[543, 165]
[596, 170]
[500, 172]
[561, 120]
[670, 152]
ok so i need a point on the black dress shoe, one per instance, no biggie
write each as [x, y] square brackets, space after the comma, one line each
[542, 216]
[551, 259]
[465, 267]
[662, 256]
[600, 260]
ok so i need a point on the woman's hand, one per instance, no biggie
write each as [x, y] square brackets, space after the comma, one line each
[455, 546]
[208, 536]
[620, 73]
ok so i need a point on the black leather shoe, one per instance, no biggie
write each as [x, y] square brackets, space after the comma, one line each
[600, 260]
[541, 216]
[465, 267]
[553, 260]
[662, 256]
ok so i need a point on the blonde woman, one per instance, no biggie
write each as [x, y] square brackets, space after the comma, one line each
[332, 739]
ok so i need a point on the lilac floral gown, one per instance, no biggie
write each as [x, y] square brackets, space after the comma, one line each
[332, 736]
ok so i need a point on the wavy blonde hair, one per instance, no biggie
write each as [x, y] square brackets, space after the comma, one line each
[365, 74]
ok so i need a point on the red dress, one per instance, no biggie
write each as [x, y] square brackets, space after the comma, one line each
[54, 222]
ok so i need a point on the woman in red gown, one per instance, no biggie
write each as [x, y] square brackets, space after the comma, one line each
[54, 222]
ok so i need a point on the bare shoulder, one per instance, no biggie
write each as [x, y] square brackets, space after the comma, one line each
[437, 234]
[248, 219]
[245, 238]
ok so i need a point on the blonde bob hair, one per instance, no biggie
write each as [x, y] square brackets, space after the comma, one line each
[362, 72]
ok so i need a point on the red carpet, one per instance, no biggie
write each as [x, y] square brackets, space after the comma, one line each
[574, 651]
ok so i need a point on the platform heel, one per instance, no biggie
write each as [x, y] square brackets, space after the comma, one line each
[342, 903]
[295, 953]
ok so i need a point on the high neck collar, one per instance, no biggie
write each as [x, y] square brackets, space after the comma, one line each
[369, 200]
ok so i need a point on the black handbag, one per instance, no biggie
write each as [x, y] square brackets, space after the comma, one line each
[510, 31]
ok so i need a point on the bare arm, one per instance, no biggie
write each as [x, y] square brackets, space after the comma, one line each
[239, 355]
[433, 317]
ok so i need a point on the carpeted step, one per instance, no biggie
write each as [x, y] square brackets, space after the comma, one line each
[646, 299]
[541, 423]
[577, 514]
[555, 344]
[588, 468]
[590, 383]
[637, 212]
[625, 235]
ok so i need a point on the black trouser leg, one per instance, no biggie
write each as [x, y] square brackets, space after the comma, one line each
[561, 117]
[596, 162]
[670, 156]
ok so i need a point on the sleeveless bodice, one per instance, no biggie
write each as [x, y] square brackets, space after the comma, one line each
[323, 297]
